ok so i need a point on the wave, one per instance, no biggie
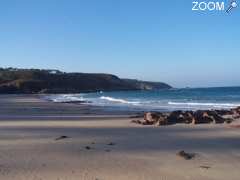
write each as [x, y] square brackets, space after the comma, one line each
[204, 104]
[65, 98]
[145, 102]
[117, 100]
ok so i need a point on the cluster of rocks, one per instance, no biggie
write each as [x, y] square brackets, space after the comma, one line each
[190, 117]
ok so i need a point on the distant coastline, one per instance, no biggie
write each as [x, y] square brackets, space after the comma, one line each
[35, 81]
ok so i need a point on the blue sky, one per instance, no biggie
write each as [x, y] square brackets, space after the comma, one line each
[156, 40]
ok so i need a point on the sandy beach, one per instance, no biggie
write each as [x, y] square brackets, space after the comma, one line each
[98, 146]
[119, 90]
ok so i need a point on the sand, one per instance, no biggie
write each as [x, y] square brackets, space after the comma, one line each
[113, 148]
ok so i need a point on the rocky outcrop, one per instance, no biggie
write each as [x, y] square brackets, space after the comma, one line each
[30, 81]
[201, 117]
[190, 117]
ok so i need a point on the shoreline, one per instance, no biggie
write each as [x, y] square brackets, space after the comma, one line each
[35, 107]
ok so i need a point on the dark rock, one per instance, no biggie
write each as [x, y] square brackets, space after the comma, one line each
[162, 121]
[61, 137]
[186, 156]
[88, 147]
[236, 113]
[137, 121]
[176, 117]
[180, 117]
[187, 117]
[217, 117]
[151, 118]
[228, 120]
[224, 112]
[201, 117]
[111, 144]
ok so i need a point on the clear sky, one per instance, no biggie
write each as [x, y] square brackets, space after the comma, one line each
[158, 40]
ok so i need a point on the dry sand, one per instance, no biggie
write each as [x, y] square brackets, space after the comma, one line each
[119, 150]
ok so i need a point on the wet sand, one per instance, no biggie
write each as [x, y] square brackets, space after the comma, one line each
[110, 147]
[26, 106]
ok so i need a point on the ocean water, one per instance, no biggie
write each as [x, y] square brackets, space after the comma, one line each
[161, 100]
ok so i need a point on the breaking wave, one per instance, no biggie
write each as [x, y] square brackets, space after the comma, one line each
[65, 98]
[181, 99]
[117, 100]
[218, 105]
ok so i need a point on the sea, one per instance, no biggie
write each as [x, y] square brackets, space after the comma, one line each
[158, 100]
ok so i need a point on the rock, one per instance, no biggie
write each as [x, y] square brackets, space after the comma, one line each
[61, 137]
[235, 113]
[151, 118]
[158, 119]
[187, 117]
[111, 144]
[186, 156]
[175, 117]
[201, 117]
[180, 117]
[217, 117]
[162, 121]
[224, 112]
[228, 120]
[137, 121]
[88, 147]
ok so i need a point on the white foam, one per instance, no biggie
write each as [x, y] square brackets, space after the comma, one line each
[117, 100]
[98, 99]
[65, 98]
[223, 105]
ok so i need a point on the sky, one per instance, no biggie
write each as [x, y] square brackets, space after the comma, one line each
[155, 40]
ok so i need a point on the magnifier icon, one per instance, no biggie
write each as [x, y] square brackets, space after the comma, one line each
[233, 5]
